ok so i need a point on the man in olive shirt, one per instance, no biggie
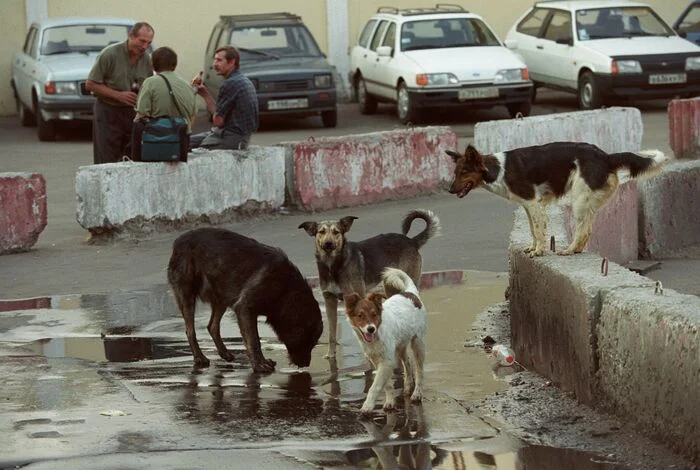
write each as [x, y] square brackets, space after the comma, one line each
[115, 79]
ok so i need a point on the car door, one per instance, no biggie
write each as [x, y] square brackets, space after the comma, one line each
[358, 56]
[25, 66]
[370, 58]
[556, 52]
[386, 66]
[527, 35]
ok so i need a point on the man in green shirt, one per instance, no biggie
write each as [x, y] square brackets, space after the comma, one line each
[155, 100]
[115, 79]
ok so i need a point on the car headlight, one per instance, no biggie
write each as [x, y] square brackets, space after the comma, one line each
[511, 75]
[436, 79]
[323, 81]
[692, 63]
[61, 88]
[625, 66]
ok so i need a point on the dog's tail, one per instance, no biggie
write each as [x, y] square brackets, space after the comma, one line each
[432, 227]
[644, 163]
[183, 273]
[397, 281]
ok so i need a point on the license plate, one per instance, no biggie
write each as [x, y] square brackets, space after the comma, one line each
[295, 103]
[477, 93]
[663, 78]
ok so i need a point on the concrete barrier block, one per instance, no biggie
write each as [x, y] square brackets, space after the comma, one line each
[615, 129]
[669, 203]
[684, 127]
[213, 187]
[554, 306]
[360, 169]
[22, 210]
[649, 367]
[616, 226]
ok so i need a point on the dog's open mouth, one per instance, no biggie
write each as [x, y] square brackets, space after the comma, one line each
[368, 337]
[465, 191]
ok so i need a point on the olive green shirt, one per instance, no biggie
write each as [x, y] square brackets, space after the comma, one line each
[155, 100]
[114, 69]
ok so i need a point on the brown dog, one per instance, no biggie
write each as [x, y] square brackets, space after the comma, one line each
[227, 269]
[345, 266]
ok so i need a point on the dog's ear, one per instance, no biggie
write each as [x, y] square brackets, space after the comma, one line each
[346, 222]
[472, 154]
[310, 227]
[376, 298]
[351, 300]
[455, 156]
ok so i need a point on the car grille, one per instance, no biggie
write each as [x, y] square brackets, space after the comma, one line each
[660, 63]
[290, 85]
[83, 90]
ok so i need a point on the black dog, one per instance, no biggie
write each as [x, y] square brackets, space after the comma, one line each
[226, 269]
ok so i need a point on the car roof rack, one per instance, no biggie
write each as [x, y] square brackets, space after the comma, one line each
[438, 8]
[281, 15]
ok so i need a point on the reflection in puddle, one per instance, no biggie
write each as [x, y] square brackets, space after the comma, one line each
[110, 349]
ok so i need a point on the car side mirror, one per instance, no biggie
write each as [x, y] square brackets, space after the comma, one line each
[511, 43]
[568, 40]
[384, 51]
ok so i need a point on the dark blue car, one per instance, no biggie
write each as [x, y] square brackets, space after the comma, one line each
[688, 23]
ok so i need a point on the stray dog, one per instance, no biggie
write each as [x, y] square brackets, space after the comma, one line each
[345, 266]
[388, 330]
[535, 176]
[226, 269]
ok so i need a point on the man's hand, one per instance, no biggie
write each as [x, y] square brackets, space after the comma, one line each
[127, 97]
[202, 91]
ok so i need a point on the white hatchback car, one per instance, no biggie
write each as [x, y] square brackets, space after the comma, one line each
[437, 57]
[605, 50]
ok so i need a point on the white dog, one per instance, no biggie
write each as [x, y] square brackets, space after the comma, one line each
[389, 329]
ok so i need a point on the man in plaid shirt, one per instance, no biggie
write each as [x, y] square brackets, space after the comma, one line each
[235, 112]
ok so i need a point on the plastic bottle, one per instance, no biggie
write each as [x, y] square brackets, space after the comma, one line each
[505, 355]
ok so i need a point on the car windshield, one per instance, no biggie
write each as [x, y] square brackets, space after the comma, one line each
[619, 22]
[272, 42]
[454, 32]
[82, 38]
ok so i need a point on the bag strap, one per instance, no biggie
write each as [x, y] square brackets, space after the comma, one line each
[172, 95]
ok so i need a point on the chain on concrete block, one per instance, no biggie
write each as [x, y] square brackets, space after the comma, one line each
[519, 116]
[311, 139]
[604, 267]
[552, 244]
[658, 288]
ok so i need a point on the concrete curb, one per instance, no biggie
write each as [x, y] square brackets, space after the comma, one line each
[22, 211]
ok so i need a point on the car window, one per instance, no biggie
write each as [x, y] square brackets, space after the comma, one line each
[214, 39]
[532, 23]
[264, 42]
[390, 36]
[366, 33]
[559, 26]
[378, 35]
[28, 41]
[690, 23]
[617, 22]
[454, 32]
[81, 38]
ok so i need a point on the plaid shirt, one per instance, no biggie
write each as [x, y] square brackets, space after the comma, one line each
[238, 104]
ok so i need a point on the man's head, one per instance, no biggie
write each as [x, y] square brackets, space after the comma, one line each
[140, 38]
[164, 59]
[226, 60]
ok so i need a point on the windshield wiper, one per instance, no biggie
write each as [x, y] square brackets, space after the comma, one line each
[424, 46]
[255, 51]
[57, 52]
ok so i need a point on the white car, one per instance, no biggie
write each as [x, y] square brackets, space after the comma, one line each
[605, 51]
[439, 57]
[49, 73]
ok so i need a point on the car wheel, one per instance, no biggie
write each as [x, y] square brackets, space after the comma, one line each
[329, 118]
[45, 129]
[588, 93]
[522, 108]
[405, 109]
[367, 102]
[26, 118]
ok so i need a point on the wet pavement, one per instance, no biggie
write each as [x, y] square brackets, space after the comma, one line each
[107, 381]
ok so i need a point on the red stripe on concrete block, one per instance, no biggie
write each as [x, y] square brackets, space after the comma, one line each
[363, 169]
[22, 210]
[684, 127]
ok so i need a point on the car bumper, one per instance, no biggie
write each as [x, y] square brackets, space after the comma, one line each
[67, 108]
[305, 102]
[450, 97]
[636, 86]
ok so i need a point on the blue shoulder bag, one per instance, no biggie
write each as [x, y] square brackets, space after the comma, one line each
[165, 139]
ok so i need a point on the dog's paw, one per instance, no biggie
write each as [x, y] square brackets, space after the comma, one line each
[537, 252]
[389, 405]
[201, 361]
[366, 410]
[265, 367]
[529, 249]
[417, 396]
[228, 356]
[566, 252]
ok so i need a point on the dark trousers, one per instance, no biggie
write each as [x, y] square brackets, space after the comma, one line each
[219, 139]
[111, 132]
